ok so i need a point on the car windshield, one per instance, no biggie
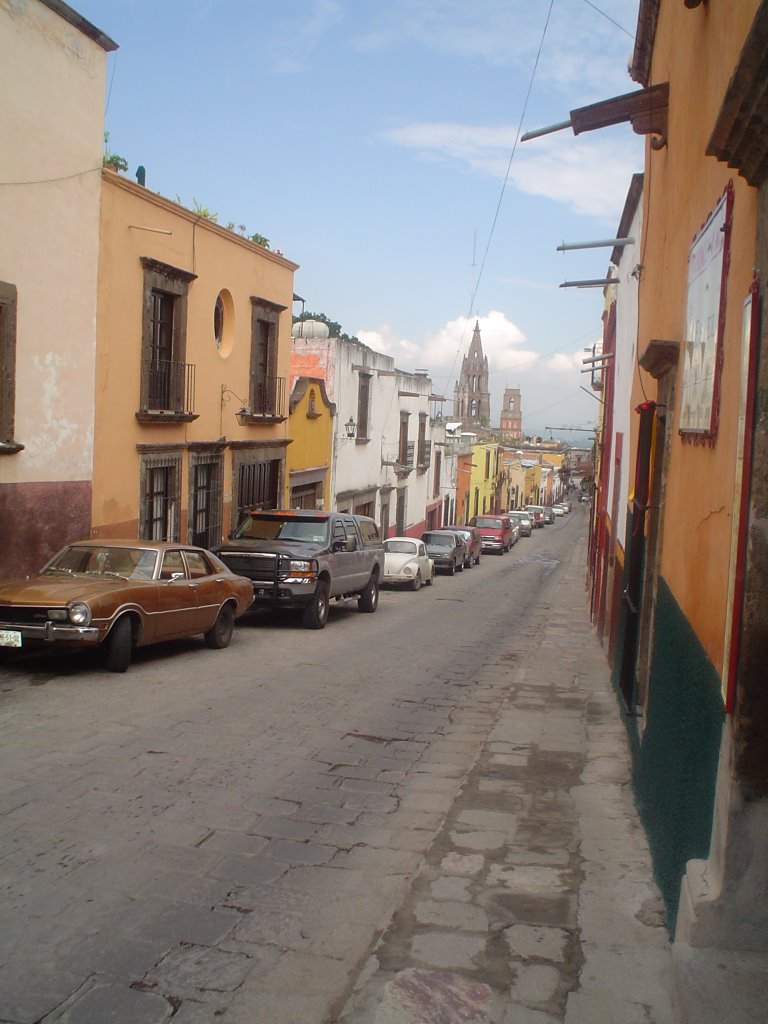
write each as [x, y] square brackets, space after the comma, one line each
[104, 560]
[267, 527]
[488, 523]
[442, 540]
[400, 547]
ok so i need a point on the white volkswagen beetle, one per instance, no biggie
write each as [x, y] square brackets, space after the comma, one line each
[406, 561]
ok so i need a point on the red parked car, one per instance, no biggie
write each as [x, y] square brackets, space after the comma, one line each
[496, 532]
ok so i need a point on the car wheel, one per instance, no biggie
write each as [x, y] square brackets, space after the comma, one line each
[315, 615]
[430, 581]
[369, 598]
[219, 635]
[416, 582]
[118, 646]
[452, 569]
[477, 560]
[460, 566]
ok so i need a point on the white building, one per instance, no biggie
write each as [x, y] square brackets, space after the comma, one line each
[382, 444]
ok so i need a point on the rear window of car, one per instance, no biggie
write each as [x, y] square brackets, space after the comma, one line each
[400, 547]
[370, 531]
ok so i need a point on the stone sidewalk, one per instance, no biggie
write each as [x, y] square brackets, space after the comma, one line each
[536, 902]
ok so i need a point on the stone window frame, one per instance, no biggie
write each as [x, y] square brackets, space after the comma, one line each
[362, 431]
[210, 455]
[163, 277]
[8, 328]
[264, 311]
[160, 458]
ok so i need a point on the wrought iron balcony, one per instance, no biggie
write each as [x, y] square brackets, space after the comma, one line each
[167, 387]
[268, 398]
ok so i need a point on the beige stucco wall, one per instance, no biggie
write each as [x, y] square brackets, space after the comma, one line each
[136, 223]
[52, 81]
[682, 187]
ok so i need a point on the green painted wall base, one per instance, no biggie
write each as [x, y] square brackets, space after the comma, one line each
[676, 757]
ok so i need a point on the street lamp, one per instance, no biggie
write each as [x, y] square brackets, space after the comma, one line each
[243, 414]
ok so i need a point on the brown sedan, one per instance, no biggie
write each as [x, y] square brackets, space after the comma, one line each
[123, 594]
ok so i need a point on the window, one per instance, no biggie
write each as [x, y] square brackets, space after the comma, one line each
[218, 321]
[256, 485]
[487, 463]
[8, 303]
[173, 565]
[160, 482]
[438, 471]
[197, 565]
[363, 405]
[205, 499]
[384, 517]
[405, 450]
[370, 533]
[266, 390]
[422, 456]
[167, 381]
[402, 496]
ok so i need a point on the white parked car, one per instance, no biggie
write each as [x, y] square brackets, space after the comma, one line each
[406, 561]
[559, 510]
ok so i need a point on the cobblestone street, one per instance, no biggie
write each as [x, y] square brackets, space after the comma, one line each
[319, 842]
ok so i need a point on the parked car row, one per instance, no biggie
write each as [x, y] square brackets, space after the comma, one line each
[118, 595]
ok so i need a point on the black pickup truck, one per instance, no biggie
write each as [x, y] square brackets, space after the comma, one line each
[302, 559]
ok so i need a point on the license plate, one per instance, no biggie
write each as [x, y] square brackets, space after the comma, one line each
[10, 638]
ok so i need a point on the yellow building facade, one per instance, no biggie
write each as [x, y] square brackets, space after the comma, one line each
[309, 456]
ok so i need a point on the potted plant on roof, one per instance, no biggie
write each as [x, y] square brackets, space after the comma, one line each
[113, 160]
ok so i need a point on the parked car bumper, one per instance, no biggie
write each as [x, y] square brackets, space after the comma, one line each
[291, 592]
[492, 544]
[407, 576]
[49, 631]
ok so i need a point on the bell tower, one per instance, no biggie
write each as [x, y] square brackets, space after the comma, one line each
[511, 418]
[471, 397]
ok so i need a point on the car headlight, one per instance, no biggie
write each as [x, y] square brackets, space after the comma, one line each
[296, 565]
[79, 613]
[408, 570]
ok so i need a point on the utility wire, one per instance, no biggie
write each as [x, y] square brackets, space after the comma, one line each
[473, 296]
[621, 27]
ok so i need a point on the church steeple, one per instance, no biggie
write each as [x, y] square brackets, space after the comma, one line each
[471, 397]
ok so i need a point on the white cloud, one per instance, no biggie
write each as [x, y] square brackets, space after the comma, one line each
[306, 34]
[587, 174]
[441, 353]
[509, 33]
[550, 385]
[562, 363]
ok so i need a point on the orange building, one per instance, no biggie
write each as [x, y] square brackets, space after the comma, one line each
[691, 651]
[193, 353]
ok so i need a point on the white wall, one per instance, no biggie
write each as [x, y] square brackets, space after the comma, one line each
[625, 363]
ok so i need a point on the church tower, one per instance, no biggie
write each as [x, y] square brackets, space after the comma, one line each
[471, 397]
[511, 418]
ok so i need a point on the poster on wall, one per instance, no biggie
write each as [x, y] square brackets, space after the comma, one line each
[705, 322]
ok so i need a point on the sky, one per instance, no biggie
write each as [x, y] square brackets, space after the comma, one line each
[376, 144]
